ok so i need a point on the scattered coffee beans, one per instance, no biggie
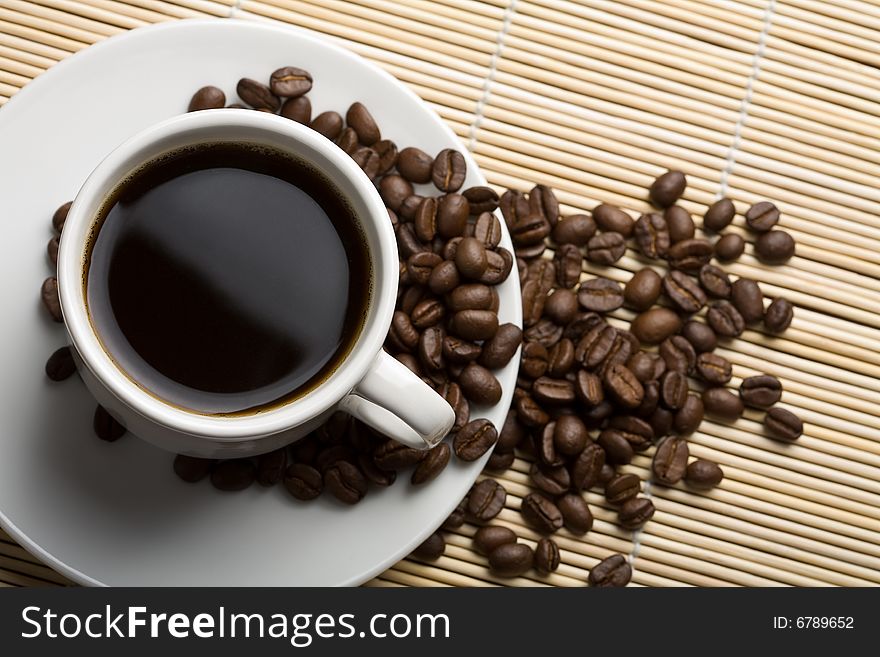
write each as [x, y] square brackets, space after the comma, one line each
[614, 571]
[783, 424]
[432, 549]
[546, 556]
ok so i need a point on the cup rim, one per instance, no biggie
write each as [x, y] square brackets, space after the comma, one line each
[113, 169]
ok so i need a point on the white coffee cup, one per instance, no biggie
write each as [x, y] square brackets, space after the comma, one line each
[369, 384]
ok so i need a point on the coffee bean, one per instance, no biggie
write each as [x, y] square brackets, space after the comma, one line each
[762, 216]
[545, 332]
[568, 264]
[345, 482]
[635, 512]
[722, 403]
[725, 319]
[470, 258]
[415, 165]
[729, 247]
[207, 98]
[622, 487]
[588, 388]
[332, 454]
[655, 325]
[586, 468]
[392, 455]
[598, 415]
[715, 281]
[374, 474]
[779, 315]
[271, 467]
[233, 474]
[432, 548]
[362, 122]
[328, 124]
[547, 557]
[106, 427]
[347, 140]
[487, 229]
[481, 199]
[52, 249]
[606, 248]
[474, 439]
[444, 278]
[760, 391]
[651, 398]
[299, 109]
[192, 469]
[701, 337]
[690, 255]
[561, 359]
[528, 230]
[576, 514]
[561, 306]
[670, 461]
[613, 571]
[783, 424]
[452, 216]
[774, 247]
[582, 324]
[543, 201]
[421, 265]
[667, 188]
[702, 474]
[51, 302]
[60, 216]
[511, 560]
[681, 226]
[303, 482]
[479, 385]
[425, 220]
[290, 81]
[487, 539]
[394, 189]
[498, 351]
[457, 517]
[600, 295]
[514, 205]
[60, 365]
[257, 95]
[512, 433]
[643, 365]
[678, 354]
[486, 500]
[534, 360]
[545, 447]
[618, 450]
[719, 215]
[684, 292]
[643, 289]
[432, 465]
[661, 422]
[448, 170]
[540, 513]
[673, 390]
[474, 324]
[689, 418]
[471, 296]
[553, 480]
[748, 299]
[576, 229]
[402, 333]
[612, 219]
[533, 300]
[652, 235]
[713, 368]
[427, 313]
[594, 347]
[368, 160]
[570, 435]
[553, 391]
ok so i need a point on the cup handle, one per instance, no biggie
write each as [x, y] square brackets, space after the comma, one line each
[397, 403]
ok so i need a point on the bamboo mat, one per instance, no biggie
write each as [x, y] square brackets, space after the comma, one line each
[753, 99]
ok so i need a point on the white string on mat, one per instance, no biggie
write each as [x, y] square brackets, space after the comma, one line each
[490, 77]
[747, 99]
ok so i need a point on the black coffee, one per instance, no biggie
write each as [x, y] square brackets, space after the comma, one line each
[227, 277]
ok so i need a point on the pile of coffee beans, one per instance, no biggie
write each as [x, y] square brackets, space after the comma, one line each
[589, 395]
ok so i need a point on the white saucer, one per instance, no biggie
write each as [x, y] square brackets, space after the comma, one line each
[115, 514]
